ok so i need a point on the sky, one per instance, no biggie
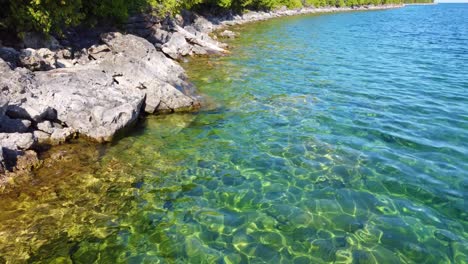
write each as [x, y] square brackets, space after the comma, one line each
[451, 1]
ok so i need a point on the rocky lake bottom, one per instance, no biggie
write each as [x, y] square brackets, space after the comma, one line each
[337, 138]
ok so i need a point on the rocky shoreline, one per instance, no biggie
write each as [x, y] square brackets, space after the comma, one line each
[53, 90]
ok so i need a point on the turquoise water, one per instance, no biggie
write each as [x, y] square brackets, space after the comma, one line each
[339, 138]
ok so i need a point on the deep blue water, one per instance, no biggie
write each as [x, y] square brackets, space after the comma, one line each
[335, 138]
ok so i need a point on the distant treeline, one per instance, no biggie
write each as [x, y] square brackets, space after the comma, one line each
[53, 15]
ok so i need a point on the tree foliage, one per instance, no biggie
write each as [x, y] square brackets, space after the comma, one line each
[52, 15]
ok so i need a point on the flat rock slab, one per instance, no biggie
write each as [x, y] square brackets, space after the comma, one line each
[101, 97]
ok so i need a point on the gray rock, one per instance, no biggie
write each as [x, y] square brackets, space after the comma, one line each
[160, 79]
[168, 24]
[3, 106]
[97, 52]
[16, 85]
[177, 46]
[2, 162]
[38, 60]
[36, 41]
[9, 125]
[203, 40]
[64, 54]
[61, 135]
[228, 34]
[179, 20]
[41, 137]
[45, 126]
[64, 58]
[10, 55]
[203, 25]
[99, 98]
[159, 36]
[88, 101]
[33, 108]
[58, 136]
[164, 97]
[199, 50]
[16, 141]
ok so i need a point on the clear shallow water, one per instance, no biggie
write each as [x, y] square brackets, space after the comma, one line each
[327, 139]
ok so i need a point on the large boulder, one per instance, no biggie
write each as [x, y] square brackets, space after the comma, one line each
[16, 85]
[16, 141]
[136, 64]
[88, 100]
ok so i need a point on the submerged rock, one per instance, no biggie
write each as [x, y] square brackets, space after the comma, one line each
[228, 34]
[27, 161]
[14, 146]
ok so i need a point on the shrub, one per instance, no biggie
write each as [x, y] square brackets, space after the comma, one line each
[52, 15]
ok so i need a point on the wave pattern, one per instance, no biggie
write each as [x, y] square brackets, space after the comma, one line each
[328, 139]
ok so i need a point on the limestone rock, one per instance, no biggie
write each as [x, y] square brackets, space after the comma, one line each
[9, 125]
[3, 106]
[228, 34]
[151, 73]
[33, 109]
[203, 25]
[88, 100]
[164, 97]
[61, 135]
[96, 96]
[2, 162]
[10, 55]
[176, 47]
[97, 52]
[41, 137]
[45, 126]
[102, 96]
[37, 60]
[16, 141]
[15, 85]
[37, 41]
[159, 36]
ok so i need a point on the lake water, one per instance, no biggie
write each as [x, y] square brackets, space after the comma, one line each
[337, 138]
